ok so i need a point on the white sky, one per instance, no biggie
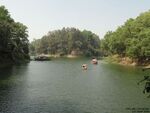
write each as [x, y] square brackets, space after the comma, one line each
[98, 16]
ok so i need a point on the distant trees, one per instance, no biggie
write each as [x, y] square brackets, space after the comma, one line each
[132, 39]
[13, 38]
[66, 41]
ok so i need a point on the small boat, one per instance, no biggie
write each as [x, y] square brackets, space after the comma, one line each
[94, 61]
[42, 58]
[84, 66]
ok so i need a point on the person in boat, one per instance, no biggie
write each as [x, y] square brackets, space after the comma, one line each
[94, 61]
[147, 84]
[84, 66]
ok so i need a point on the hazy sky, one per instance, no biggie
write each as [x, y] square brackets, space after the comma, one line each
[99, 16]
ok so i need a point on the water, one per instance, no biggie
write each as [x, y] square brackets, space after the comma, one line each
[61, 86]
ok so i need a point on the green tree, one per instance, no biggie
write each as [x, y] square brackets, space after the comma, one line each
[131, 39]
[13, 38]
[66, 41]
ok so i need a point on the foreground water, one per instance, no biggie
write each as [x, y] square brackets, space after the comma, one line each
[61, 86]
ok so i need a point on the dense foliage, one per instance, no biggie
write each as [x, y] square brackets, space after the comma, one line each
[130, 40]
[67, 41]
[13, 39]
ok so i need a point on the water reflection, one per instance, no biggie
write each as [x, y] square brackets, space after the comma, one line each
[12, 87]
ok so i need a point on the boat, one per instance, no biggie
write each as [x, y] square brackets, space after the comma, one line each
[84, 66]
[42, 58]
[94, 61]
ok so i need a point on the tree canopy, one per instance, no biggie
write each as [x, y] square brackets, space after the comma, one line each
[13, 38]
[67, 41]
[131, 39]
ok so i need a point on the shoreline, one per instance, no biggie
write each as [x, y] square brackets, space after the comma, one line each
[61, 56]
[126, 61]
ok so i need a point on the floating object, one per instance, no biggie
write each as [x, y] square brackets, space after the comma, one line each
[94, 61]
[42, 58]
[84, 66]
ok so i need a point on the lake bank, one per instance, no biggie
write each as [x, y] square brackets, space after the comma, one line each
[125, 61]
[64, 56]
[59, 56]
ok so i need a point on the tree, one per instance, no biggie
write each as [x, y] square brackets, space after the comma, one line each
[13, 38]
[66, 41]
[131, 39]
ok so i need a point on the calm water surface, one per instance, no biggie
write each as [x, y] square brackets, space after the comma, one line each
[61, 86]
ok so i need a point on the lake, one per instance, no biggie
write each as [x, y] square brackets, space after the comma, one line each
[61, 86]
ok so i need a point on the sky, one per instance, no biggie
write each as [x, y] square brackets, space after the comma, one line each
[98, 16]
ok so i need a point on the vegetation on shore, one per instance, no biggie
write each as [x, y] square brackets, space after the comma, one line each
[121, 60]
[13, 39]
[130, 41]
[67, 41]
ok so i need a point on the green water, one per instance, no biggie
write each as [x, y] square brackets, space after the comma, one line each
[61, 86]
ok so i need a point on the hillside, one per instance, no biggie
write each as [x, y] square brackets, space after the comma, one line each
[67, 41]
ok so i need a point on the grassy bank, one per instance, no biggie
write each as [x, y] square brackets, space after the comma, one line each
[125, 61]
